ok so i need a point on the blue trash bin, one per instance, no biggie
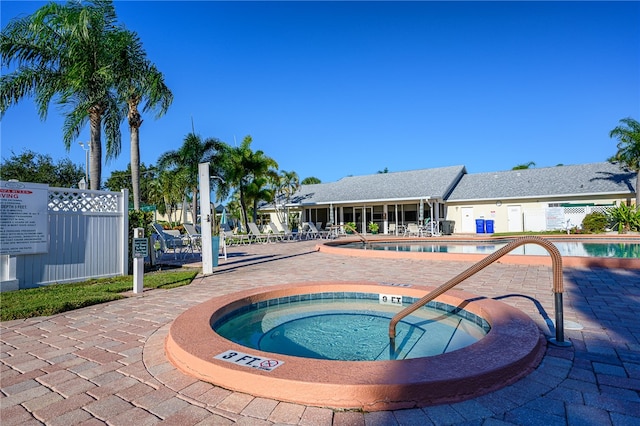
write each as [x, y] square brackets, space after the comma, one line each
[215, 250]
[480, 226]
[488, 226]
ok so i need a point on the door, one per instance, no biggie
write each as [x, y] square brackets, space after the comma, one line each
[468, 224]
[514, 218]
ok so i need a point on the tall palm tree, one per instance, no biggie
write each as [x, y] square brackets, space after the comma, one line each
[244, 168]
[139, 81]
[65, 52]
[285, 185]
[186, 159]
[628, 136]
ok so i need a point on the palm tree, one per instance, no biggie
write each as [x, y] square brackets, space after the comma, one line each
[186, 159]
[285, 185]
[244, 170]
[65, 52]
[628, 136]
[524, 166]
[138, 81]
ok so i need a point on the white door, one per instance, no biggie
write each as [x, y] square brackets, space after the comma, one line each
[468, 224]
[514, 218]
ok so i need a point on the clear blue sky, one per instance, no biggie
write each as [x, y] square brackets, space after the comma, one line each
[331, 89]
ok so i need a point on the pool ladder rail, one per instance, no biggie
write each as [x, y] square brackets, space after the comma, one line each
[556, 265]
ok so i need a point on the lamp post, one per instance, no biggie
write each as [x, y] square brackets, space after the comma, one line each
[86, 149]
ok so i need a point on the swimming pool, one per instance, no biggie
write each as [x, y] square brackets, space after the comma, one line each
[350, 327]
[512, 348]
[584, 251]
[623, 250]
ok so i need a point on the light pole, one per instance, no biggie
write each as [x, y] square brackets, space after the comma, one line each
[86, 149]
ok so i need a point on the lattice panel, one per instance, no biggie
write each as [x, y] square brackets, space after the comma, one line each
[74, 201]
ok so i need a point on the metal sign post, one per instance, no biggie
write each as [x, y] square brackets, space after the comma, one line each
[140, 251]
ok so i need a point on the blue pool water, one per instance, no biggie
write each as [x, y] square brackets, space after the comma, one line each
[350, 327]
[566, 248]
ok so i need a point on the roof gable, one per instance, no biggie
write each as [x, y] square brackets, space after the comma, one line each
[415, 184]
[593, 178]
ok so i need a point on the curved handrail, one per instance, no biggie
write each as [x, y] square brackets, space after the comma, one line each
[362, 237]
[556, 264]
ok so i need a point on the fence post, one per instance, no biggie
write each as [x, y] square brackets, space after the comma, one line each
[124, 232]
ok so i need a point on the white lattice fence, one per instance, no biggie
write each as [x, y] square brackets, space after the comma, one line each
[576, 214]
[87, 239]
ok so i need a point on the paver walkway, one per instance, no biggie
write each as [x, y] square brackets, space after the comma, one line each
[105, 364]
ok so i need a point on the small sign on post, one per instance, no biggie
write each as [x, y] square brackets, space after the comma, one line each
[140, 251]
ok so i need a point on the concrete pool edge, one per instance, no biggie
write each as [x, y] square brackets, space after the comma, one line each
[512, 349]
[333, 247]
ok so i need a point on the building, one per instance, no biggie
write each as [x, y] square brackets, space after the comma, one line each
[515, 200]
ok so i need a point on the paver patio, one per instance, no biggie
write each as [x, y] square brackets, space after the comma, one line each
[105, 364]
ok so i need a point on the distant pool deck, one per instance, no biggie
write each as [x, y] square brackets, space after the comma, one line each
[106, 363]
[334, 247]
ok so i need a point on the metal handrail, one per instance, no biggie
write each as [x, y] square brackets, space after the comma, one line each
[355, 231]
[556, 264]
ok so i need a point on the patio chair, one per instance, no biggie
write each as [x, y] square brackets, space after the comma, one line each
[195, 239]
[169, 240]
[432, 228]
[412, 229]
[255, 235]
[275, 232]
[392, 229]
[287, 232]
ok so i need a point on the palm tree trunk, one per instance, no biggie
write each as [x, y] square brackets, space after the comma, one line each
[95, 151]
[135, 167]
[638, 190]
[134, 127]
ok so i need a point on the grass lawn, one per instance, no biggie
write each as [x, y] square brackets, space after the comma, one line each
[57, 298]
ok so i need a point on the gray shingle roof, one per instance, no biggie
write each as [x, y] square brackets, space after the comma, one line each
[593, 178]
[414, 184]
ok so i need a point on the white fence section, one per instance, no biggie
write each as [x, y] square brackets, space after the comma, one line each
[575, 214]
[88, 238]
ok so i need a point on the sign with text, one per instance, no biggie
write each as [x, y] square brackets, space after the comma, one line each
[23, 218]
[390, 299]
[140, 247]
[251, 361]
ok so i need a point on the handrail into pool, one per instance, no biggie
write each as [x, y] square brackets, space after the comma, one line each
[556, 265]
[355, 231]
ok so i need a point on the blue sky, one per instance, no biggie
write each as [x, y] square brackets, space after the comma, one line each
[332, 89]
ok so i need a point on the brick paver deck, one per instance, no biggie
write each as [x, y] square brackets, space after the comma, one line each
[105, 364]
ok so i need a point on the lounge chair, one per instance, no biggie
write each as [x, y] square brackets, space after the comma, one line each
[169, 240]
[195, 239]
[255, 235]
[412, 229]
[275, 232]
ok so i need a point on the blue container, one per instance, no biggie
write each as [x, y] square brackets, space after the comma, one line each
[215, 250]
[480, 226]
[488, 225]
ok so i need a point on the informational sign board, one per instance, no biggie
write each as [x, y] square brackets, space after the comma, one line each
[23, 218]
[140, 247]
[554, 218]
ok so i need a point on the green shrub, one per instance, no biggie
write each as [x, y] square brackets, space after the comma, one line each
[624, 218]
[595, 223]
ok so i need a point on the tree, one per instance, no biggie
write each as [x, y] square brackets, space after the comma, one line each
[525, 166]
[120, 179]
[628, 136]
[310, 181]
[244, 169]
[186, 159]
[138, 81]
[285, 184]
[66, 52]
[40, 168]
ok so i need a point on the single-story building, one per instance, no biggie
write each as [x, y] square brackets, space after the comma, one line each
[514, 200]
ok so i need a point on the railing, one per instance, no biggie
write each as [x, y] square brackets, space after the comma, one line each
[355, 231]
[556, 264]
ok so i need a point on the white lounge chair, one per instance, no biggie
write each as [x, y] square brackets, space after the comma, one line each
[195, 239]
[255, 235]
[412, 229]
[275, 232]
[169, 240]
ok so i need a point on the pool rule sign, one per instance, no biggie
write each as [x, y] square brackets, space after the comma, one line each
[23, 218]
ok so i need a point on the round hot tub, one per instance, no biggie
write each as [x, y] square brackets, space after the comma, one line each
[512, 348]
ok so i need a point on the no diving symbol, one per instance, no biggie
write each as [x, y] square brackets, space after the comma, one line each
[269, 363]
